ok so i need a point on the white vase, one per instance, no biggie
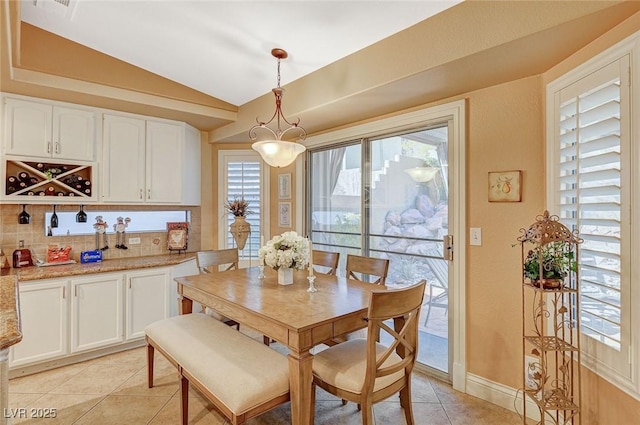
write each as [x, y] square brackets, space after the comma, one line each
[285, 276]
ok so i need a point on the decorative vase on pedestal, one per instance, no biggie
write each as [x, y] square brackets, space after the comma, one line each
[285, 276]
[240, 230]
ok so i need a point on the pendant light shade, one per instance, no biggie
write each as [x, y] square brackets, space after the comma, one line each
[278, 153]
[273, 150]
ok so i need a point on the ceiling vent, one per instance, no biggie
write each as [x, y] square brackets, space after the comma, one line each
[62, 8]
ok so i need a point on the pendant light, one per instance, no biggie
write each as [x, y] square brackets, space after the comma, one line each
[273, 150]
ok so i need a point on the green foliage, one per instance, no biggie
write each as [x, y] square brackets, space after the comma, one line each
[557, 261]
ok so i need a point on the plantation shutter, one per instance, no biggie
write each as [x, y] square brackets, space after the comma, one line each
[244, 181]
[593, 169]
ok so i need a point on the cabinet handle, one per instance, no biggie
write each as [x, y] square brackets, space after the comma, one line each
[64, 292]
[129, 283]
[57, 147]
[75, 291]
[148, 193]
[140, 193]
[48, 147]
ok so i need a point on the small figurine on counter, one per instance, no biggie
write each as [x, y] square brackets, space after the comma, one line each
[101, 229]
[119, 228]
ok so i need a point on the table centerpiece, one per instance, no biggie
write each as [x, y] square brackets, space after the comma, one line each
[284, 253]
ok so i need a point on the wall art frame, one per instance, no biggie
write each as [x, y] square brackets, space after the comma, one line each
[284, 186]
[505, 186]
[284, 214]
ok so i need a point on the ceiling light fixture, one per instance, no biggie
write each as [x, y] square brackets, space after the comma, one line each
[275, 151]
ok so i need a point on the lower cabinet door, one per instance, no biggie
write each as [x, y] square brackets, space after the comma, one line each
[96, 311]
[147, 299]
[43, 315]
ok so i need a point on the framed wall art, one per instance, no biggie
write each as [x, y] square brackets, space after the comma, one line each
[284, 214]
[284, 186]
[177, 236]
[505, 186]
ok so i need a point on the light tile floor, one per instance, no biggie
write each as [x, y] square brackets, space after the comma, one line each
[113, 390]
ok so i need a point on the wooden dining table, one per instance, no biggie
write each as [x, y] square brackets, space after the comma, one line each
[288, 314]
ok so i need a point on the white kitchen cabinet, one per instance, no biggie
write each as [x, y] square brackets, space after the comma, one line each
[46, 130]
[44, 317]
[123, 158]
[147, 299]
[96, 311]
[147, 161]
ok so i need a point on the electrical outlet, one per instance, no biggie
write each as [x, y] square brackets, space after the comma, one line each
[531, 367]
[134, 241]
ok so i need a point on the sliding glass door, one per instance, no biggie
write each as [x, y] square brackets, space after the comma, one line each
[388, 197]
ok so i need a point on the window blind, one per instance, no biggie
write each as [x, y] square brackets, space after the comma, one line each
[592, 162]
[244, 181]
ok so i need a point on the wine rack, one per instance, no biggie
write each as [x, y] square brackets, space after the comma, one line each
[28, 181]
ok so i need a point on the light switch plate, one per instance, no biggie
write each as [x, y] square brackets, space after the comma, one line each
[134, 241]
[475, 236]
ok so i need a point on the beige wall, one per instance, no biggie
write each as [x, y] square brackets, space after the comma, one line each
[504, 133]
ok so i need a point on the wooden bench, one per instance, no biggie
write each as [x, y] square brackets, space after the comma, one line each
[240, 376]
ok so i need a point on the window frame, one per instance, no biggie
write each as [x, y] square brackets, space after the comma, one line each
[237, 155]
[608, 368]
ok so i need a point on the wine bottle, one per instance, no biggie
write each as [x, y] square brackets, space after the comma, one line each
[12, 180]
[50, 191]
[23, 176]
[54, 219]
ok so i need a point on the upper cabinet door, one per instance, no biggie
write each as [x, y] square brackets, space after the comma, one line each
[27, 128]
[165, 161]
[74, 134]
[123, 165]
[48, 131]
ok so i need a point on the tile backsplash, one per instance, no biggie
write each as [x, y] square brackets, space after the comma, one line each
[33, 234]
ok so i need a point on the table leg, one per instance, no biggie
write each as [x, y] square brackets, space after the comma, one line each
[185, 305]
[300, 378]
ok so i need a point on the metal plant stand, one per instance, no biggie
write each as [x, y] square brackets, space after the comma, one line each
[551, 321]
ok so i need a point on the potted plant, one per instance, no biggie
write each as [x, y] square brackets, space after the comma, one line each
[553, 261]
[240, 228]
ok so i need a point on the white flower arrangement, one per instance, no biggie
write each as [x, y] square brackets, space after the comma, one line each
[287, 250]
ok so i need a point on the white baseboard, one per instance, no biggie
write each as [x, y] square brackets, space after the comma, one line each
[501, 395]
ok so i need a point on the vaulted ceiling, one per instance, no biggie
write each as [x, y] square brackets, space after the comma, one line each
[471, 45]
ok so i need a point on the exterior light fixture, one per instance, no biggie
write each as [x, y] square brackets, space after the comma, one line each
[273, 150]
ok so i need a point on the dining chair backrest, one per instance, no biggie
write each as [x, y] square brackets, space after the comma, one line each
[326, 259]
[403, 307]
[378, 267]
[222, 257]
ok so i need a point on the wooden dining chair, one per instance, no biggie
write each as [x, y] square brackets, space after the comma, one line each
[326, 259]
[221, 260]
[365, 371]
[358, 267]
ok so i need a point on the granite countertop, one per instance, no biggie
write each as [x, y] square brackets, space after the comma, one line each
[9, 317]
[65, 270]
